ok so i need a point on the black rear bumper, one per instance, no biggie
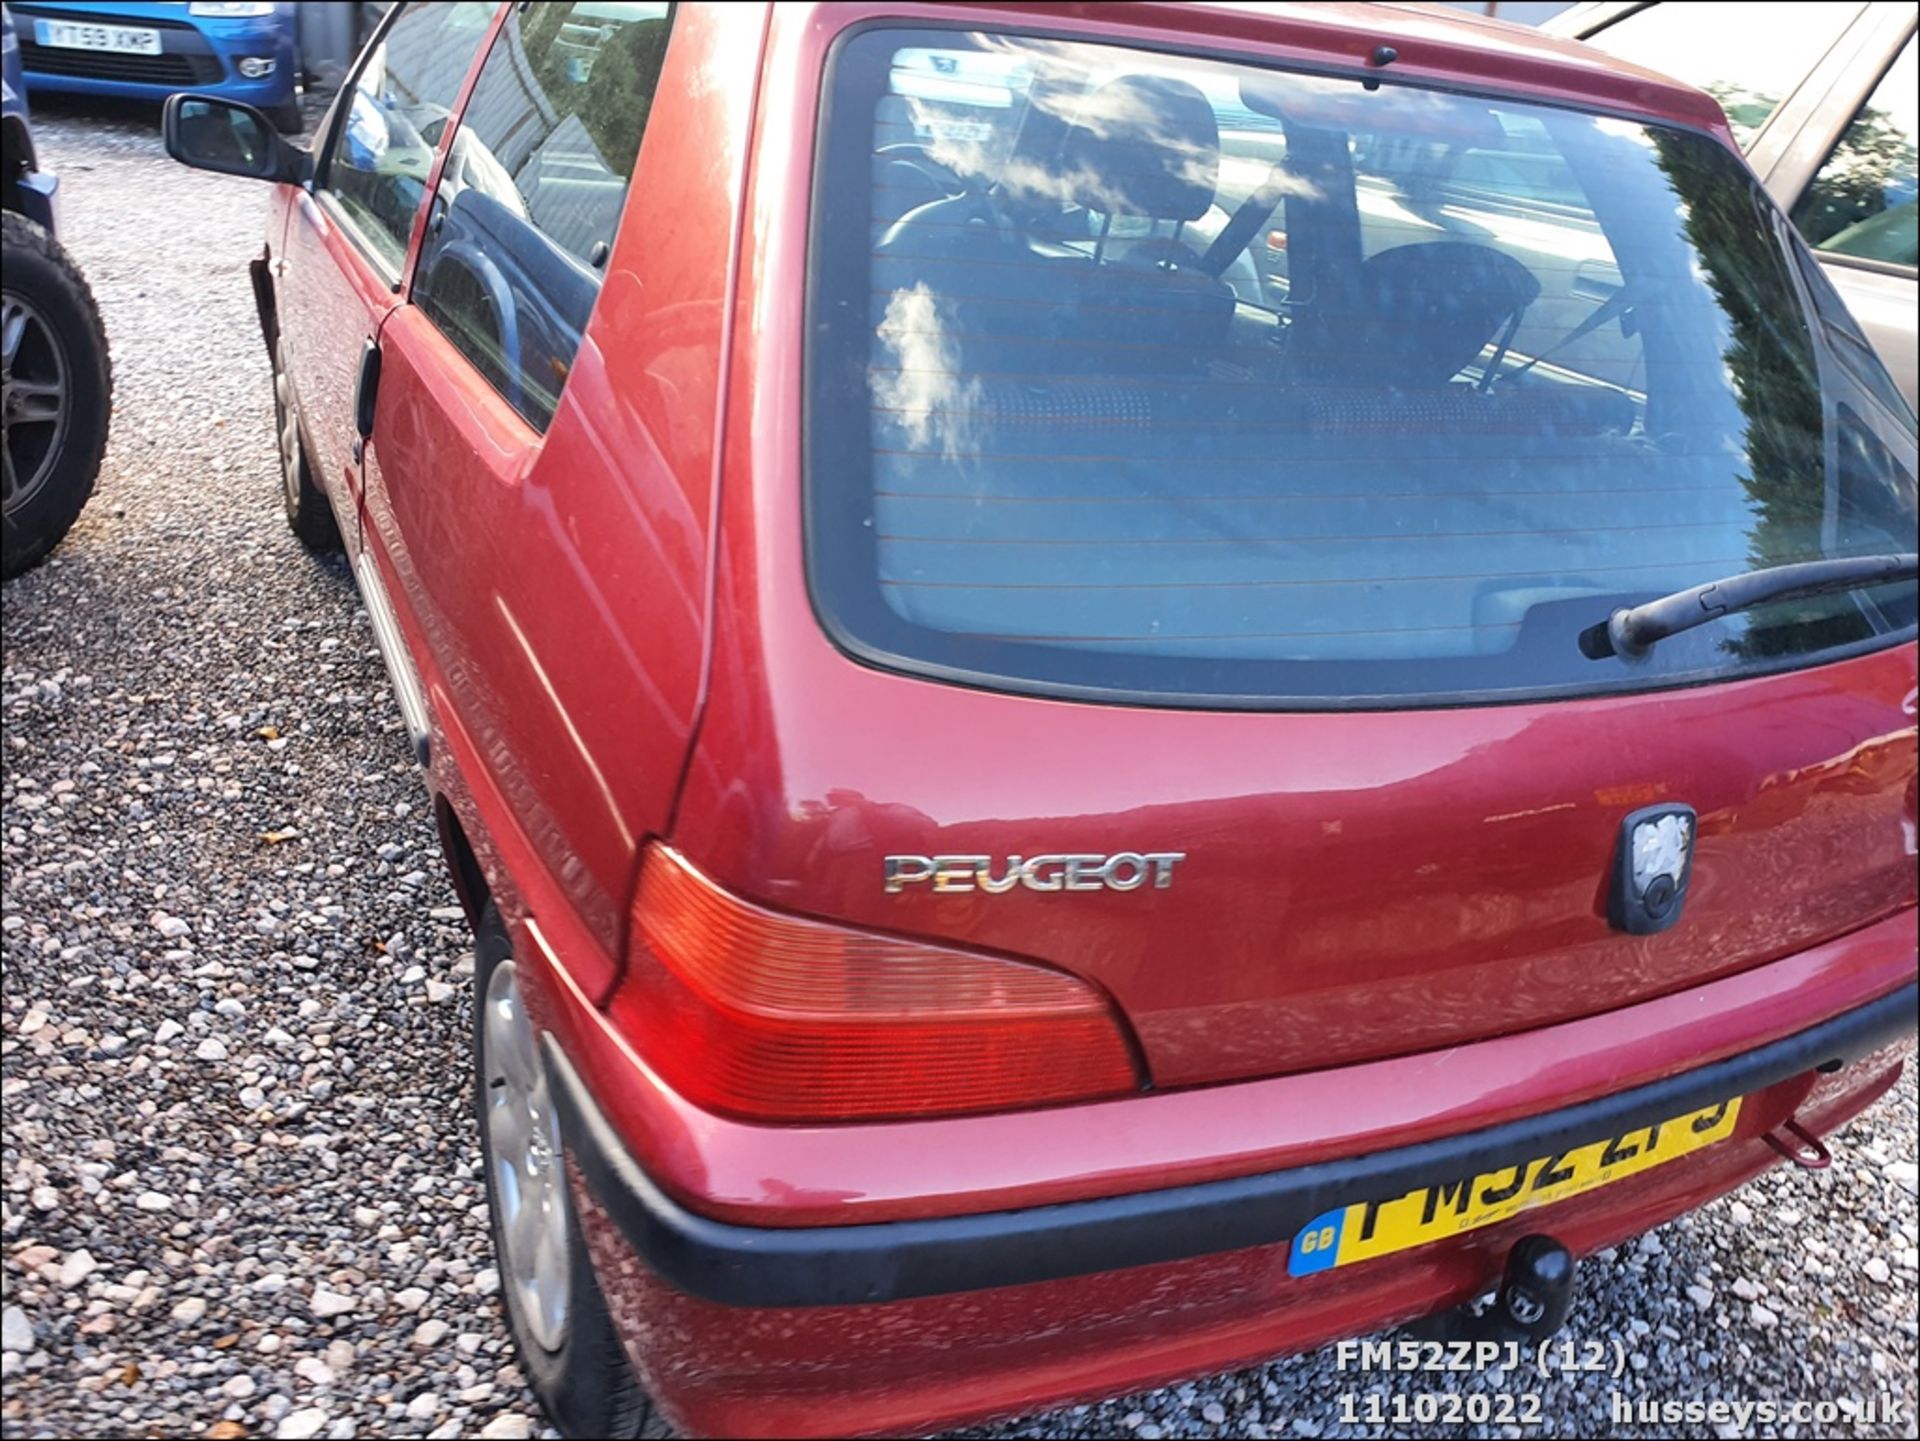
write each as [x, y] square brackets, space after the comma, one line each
[892, 1260]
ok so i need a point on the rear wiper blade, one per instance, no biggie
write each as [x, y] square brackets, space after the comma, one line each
[1633, 632]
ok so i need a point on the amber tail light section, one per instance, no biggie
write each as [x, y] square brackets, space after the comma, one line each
[766, 1016]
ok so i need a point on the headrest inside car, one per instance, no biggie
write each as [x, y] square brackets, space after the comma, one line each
[1144, 145]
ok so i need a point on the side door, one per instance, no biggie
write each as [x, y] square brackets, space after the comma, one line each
[347, 237]
[539, 481]
[1846, 172]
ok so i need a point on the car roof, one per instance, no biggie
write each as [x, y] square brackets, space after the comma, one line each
[1433, 43]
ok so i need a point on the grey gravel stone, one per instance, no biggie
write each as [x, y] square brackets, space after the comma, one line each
[314, 1371]
[327, 1303]
[77, 1267]
[423, 1407]
[302, 1424]
[16, 1331]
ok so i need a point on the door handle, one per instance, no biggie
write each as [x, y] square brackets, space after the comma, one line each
[366, 391]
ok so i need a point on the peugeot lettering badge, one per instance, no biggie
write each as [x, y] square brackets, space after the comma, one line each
[1123, 871]
[1653, 868]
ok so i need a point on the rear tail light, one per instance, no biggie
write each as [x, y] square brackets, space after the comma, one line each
[753, 1013]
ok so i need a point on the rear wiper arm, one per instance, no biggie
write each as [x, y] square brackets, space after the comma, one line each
[1633, 632]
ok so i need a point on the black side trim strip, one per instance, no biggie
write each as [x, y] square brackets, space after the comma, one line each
[893, 1260]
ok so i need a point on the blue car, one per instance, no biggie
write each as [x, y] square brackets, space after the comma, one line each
[241, 49]
[25, 189]
[56, 378]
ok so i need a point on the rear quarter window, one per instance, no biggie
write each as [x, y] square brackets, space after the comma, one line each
[1170, 379]
[532, 192]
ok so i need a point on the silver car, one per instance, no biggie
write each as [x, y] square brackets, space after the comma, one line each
[1823, 98]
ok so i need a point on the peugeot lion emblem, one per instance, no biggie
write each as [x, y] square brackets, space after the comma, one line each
[1653, 868]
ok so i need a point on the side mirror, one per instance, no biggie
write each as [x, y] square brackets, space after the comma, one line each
[234, 139]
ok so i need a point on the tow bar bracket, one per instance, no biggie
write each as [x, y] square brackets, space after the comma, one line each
[1530, 1304]
[1801, 1146]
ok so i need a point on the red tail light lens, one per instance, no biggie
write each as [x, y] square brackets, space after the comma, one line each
[756, 1014]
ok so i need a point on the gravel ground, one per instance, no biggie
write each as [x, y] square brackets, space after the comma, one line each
[240, 1183]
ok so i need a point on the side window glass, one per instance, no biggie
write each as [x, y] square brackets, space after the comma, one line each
[533, 189]
[382, 148]
[1750, 70]
[1862, 201]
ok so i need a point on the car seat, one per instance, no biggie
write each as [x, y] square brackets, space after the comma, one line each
[1148, 147]
[1043, 295]
[1420, 315]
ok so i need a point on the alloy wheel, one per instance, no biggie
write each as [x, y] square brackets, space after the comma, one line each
[289, 426]
[529, 1176]
[33, 399]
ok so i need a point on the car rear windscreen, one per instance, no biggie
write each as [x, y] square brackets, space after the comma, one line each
[1135, 375]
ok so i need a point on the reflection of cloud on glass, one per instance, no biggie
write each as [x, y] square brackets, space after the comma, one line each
[1062, 132]
[1043, 168]
[970, 149]
[922, 389]
[1132, 135]
[1631, 130]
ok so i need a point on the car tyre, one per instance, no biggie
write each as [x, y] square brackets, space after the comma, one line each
[287, 117]
[571, 1354]
[309, 511]
[58, 392]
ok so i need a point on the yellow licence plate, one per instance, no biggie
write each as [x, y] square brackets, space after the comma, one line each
[1432, 1213]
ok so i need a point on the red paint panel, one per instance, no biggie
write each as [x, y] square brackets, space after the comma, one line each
[555, 586]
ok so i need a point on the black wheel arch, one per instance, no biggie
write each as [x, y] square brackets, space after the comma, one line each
[16, 159]
[260, 272]
[463, 862]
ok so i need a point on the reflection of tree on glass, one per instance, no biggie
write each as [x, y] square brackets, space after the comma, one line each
[567, 44]
[1777, 380]
[1769, 353]
[1870, 173]
[1862, 203]
[533, 188]
[1747, 109]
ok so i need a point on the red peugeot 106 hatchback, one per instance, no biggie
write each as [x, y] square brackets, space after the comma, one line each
[1114, 688]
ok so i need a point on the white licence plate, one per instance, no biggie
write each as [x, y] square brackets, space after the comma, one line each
[119, 38]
